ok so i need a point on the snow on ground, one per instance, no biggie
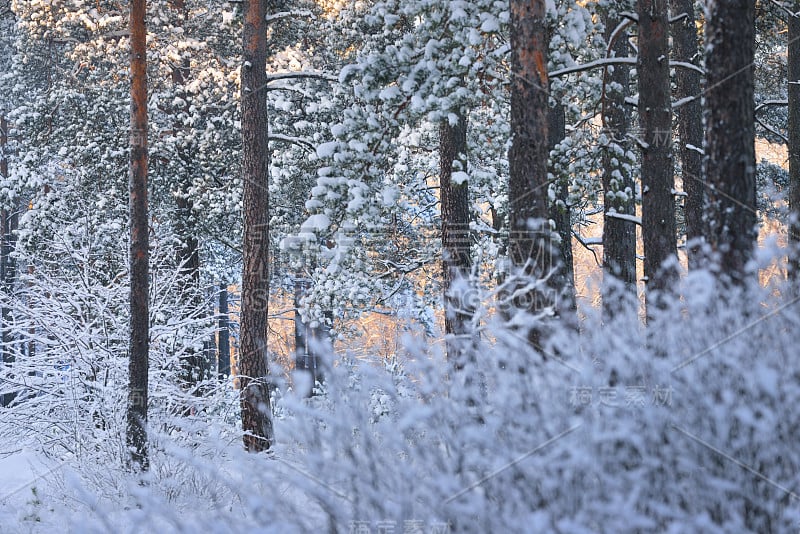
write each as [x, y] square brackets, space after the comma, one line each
[24, 476]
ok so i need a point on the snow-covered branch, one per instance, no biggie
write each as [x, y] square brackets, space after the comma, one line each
[605, 62]
[625, 217]
[688, 66]
[287, 14]
[301, 74]
[683, 101]
[677, 18]
[299, 141]
[768, 103]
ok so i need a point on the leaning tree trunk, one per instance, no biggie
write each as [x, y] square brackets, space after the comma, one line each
[139, 257]
[690, 127]
[253, 356]
[619, 190]
[532, 247]
[794, 142]
[730, 165]
[456, 260]
[658, 180]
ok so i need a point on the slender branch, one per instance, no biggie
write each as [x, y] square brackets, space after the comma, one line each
[604, 62]
[687, 65]
[588, 245]
[772, 130]
[292, 140]
[304, 74]
[771, 103]
[286, 14]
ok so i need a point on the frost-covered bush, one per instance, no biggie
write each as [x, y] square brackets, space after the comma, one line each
[67, 334]
[687, 425]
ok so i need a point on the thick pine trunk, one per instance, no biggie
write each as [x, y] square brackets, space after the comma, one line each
[619, 190]
[794, 142]
[253, 356]
[532, 249]
[139, 256]
[730, 165]
[456, 261]
[690, 127]
[658, 180]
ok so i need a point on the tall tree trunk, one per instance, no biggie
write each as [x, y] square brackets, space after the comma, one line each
[139, 256]
[456, 261]
[730, 165]
[253, 355]
[8, 266]
[532, 247]
[5, 248]
[224, 343]
[794, 142]
[619, 189]
[197, 363]
[690, 127]
[658, 179]
[560, 211]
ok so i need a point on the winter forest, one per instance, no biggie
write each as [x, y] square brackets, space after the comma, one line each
[412, 266]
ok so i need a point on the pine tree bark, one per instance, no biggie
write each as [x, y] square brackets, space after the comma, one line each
[619, 189]
[729, 162]
[658, 180]
[253, 355]
[457, 260]
[690, 127]
[794, 142]
[139, 256]
[532, 248]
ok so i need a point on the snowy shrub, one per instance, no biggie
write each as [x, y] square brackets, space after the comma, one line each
[687, 425]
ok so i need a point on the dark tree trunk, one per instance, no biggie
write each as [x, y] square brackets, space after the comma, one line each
[6, 247]
[560, 211]
[305, 353]
[456, 261]
[8, 266]
[224, 344]
[690, 127]
[794, 143]
[139, 256]
[619, 189]
[730, 137]
[197, 363]
[532, 248]
[658, 179]
[253, 355]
